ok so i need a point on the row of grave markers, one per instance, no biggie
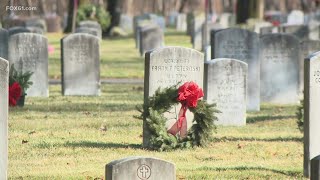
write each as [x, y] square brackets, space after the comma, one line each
[276, 56]
[226, 82]
[80, 61]
[187, 66]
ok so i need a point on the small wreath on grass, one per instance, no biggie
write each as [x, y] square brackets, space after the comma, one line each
[177, 136]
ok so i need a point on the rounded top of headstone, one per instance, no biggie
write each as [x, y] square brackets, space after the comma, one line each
[173, 49]
[279, 36]
[79, 35]
[238, 31]
[3, 62]
[148, 26]
[226, 60]
[89, 24]
[135, 158]
[26, 34]
[18, 30]
[3, 30]
[313, 56]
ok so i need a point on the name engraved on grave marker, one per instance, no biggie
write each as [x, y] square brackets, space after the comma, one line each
[236, 49]
[277, 56]
[228, 92]
[79, 53]
[315, 78]
[174, 73]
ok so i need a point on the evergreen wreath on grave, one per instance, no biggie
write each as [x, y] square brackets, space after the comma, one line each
[19, 82]
[177, 136]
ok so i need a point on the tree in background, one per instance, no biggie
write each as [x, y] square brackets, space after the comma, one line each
[71, 17]
[246, 9]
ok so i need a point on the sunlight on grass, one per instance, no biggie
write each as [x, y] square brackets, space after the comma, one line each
[61, 137]
[119, 57]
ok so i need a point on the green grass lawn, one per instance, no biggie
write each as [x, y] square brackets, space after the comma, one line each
[60, 138]
[119, 57]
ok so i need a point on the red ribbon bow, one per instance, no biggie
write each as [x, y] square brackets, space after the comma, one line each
[188, 95]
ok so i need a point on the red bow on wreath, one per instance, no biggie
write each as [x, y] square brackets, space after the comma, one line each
[14, 93]
[188, 95]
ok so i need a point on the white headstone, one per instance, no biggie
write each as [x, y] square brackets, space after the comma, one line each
[280, 55]
[29, 52]
[312, 113]
[243, 45]
[4, 82]
[80, 60]
[168, 66]
[295, 17]
[140, 168]
[307, 48]
[181, 22]
[226, 85]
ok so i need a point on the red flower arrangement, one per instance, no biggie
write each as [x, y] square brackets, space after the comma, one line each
[15, 92]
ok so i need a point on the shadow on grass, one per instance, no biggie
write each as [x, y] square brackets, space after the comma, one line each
[78, 107]
[279, 139]
[90, 144]
[255, 119]
[246, 168]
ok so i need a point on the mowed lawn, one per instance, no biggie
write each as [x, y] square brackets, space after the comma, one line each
[119, 57]
[69, 137]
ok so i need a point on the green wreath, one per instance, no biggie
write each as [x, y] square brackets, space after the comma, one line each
[153, 111]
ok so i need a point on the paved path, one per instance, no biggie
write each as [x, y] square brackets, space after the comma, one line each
[107, 81]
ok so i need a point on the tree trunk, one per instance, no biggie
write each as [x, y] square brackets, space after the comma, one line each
[71, 16]
[182, 5]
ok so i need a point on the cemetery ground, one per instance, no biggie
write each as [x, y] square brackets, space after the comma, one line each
[70, 137]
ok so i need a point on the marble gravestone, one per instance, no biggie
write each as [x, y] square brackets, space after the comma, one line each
[196, 32]
[151, 37]
[168, 66]
[243, 45]
[91, 24]
[226, 20]
[226, 85]
[39, 23]
[300, 31]
[137, 168]
[314, 30]
[92, 31]
[138, 21]
[279, 68]
[80, 61]
[4, 36]
[307, 48]
[4, 83]
[296, 17]
[138, 31]
[36, 30]
[126, 23]
[181, 22]
[206, 31]
[29, 52]
[18, 29]
[311, 116]
[172, 19]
